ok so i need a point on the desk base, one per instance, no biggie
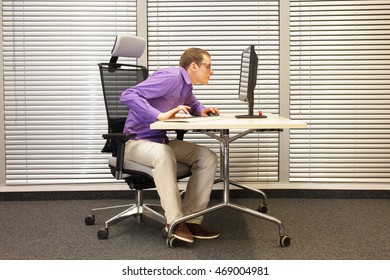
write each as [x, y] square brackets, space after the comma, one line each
[284, 240]
[225, 139]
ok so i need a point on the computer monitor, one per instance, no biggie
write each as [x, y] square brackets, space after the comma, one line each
[248, 80]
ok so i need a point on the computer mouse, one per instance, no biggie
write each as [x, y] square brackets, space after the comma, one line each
[211, 114]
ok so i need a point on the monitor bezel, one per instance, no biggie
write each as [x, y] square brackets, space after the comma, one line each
[249, 95]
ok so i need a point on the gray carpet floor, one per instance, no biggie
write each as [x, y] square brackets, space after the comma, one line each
[320, 229]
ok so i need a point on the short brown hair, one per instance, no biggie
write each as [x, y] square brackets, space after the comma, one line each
[192, 55]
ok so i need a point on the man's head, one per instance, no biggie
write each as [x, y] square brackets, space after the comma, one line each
[197, 63]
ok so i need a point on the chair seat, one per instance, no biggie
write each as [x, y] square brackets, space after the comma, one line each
[183, 170]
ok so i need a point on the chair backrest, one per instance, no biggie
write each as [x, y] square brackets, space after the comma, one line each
[117, 77]
[115, 80]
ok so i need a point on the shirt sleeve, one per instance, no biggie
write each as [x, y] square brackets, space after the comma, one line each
[196, 106]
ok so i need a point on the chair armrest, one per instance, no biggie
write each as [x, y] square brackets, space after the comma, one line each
[119, 136]
[120, 139]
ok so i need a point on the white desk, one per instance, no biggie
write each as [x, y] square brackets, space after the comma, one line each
[223, 126]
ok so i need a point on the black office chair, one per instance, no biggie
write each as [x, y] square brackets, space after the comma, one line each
[116, 78]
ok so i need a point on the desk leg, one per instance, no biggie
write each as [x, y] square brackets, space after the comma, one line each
[262, 208]
[221, 159]
[224, 140]
[225, 153]
[284, 240]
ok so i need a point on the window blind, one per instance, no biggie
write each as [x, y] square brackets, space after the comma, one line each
[225, 29]
[340, 85]
[54, 110]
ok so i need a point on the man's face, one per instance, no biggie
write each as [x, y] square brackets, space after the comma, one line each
[202, 72]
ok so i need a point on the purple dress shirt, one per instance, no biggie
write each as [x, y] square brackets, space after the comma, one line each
[164, 90]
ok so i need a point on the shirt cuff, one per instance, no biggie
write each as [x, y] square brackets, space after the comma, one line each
[154, 114]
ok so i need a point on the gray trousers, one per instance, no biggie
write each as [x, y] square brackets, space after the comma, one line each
[163, 159]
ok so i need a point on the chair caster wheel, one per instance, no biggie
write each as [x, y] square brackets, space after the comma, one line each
[173, 242]
[262, 209]
[284, 241]
[90, 220]
[102, 233]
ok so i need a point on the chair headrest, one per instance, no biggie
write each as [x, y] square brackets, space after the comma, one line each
[128, 46]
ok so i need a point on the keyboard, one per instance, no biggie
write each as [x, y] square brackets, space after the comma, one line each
[194, 119]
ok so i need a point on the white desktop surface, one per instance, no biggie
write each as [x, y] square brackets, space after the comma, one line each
[229, 121]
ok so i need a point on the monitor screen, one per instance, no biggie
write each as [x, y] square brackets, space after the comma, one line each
[248, 80]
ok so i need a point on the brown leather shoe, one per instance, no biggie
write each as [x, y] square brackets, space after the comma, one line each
[181, 232]
[201, 233]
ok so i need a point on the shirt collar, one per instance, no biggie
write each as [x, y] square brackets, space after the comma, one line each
[185, 75]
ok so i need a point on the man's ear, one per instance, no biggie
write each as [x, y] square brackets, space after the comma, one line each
[193, 66]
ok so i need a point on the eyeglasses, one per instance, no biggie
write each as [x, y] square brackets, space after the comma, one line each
[207, 65]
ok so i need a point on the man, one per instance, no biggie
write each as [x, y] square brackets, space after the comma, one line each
[160, 97]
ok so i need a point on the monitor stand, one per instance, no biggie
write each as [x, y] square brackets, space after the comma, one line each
[250, 116]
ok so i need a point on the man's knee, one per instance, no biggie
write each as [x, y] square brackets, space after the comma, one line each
[208, 156]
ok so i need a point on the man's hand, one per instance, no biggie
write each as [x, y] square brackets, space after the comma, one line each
[172, 113]
[208, 111]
